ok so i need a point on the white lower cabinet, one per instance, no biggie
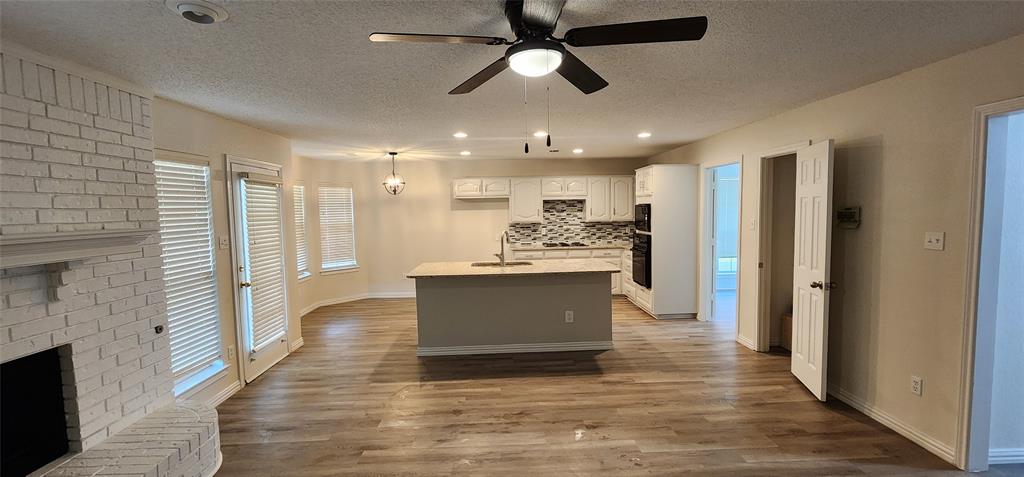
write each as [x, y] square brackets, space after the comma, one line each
[644, 298]
[628, 287]
[610, 255]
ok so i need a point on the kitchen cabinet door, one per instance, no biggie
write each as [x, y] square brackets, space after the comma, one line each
[598, 199]
[525, 204]
[495, 187]
[645, 181]
[552, 186]
[575, 187]
[622, 199]
[470, 187]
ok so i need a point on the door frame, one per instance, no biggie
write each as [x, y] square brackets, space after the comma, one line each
[975, 400]
[761, 341]
[706, 222]
[232, 166]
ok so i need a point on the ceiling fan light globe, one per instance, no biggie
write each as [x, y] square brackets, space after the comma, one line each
[535, 58]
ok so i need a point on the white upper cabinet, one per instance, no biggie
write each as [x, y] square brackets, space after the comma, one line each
[564, 187]
[525, 204]
[645, 181]
[576, 187]
[622, 199]
[495, 187]
[599, 199]
[470, 187]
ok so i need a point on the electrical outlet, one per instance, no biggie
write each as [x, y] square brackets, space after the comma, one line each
[935, 240]
[916, 385]
[231, 353]
[569, 318]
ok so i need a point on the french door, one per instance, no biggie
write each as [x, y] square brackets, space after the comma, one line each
[258, 239]
[812, 249]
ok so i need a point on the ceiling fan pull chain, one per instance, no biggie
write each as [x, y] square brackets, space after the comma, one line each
[526, 121]
[549, 113]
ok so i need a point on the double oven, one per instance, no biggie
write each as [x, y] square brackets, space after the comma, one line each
[642, 246]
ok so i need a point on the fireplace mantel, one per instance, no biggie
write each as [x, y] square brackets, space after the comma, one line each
[17, 250]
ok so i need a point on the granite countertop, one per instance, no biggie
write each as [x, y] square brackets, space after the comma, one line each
[539, 267]
[538, 246]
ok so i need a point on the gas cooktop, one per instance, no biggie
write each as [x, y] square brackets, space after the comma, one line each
[564, 244]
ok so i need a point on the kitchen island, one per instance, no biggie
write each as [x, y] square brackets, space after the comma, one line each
[547, 305]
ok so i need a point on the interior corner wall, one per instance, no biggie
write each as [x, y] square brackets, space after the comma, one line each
[903, 153]
[183, 129]
[424, 223]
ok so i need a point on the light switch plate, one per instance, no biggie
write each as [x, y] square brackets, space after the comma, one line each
[569, 316]
[222, 242]
[935, 240]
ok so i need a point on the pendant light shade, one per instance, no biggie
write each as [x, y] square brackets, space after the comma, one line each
[393, 183]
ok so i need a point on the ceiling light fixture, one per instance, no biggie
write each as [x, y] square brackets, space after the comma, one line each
[465, 153]
[394, 183]
[197, 11]
[535, 58]
[540, 134]
[460, 135]
[577, 151]
[644, 135]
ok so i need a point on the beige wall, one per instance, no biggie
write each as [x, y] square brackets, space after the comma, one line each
[424, 223]
[183, 129]
[903, 154]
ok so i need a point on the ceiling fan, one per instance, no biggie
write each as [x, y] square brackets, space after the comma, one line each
[537, 52]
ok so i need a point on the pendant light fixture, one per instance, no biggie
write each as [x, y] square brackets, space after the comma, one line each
[394, 183]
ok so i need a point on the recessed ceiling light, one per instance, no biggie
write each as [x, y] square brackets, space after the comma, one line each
[644, 135]
[465, 153]
[460, 135]
[540, 134]
[577, 151]
[197, 11]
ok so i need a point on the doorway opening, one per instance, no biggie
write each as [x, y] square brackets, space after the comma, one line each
[779, 266]
[996, 425]
[723, 212]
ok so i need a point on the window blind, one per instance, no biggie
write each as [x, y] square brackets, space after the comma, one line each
[337, 228]
[186, 240]
[263, 246]
[301, 245]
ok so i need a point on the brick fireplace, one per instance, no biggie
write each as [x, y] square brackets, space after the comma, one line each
[81, 265]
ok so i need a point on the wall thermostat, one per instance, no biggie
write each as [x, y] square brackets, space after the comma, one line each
[848, 217]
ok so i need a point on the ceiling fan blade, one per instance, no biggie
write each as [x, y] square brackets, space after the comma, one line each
[580, 75]
[674, 29]
[480, 78]
[428, 38]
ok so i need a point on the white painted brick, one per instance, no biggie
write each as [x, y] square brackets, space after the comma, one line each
[78, 227]
[64, 114]
[112, 124]
[12, 74]
[25, 136]
[74, 332]
[109, 175]
[102, 161]
[35, 327]
[22, 314]
[104, 188]
[122, 225]
[18, 103]
[141, 190]
[126, 106]
[10, 117]
[76, 202]
[24, 347]
[17, 184]
[133, 141]
[106, 215]
[55, 126]
[128, 304]
[23, 168]
[72, 143]
[77, 93]
[143, 214]
[144, 154]
[35, 296]
[14, 151]
[116, 293]
[91, 313]
[63, 88]
[115, 150]
[18, 217]
[30, 80]
[27, 229]
[114, 321]
[101, 135]
[56, 155]
[47, 89]
[104, 269]
[118, 202]
[64, 171]
[61, 216]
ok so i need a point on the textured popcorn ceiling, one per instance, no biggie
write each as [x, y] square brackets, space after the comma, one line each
[306, 70]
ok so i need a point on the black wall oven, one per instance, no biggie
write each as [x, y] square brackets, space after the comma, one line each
[642, 259]
[642, 217]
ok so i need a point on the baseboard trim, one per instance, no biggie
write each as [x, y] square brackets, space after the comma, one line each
[743, 340]
[294, 345]
[1006, 456]
[514, 348]
[345, 299]
[676, 316]
[222, 396]
[929, 443]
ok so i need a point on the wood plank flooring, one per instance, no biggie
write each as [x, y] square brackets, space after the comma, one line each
[672, 398]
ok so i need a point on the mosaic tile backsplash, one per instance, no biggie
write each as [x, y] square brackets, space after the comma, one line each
[563, 222]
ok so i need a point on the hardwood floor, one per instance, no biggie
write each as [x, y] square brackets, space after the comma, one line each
[677, 397]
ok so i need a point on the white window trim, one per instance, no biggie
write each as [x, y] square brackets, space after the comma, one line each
[346, 268]
[307, 273]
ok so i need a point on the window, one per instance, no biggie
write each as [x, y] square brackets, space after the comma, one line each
[186, 240]
[301, 245]
[337, 228]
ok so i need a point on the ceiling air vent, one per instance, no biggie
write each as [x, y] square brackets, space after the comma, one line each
[197, 11]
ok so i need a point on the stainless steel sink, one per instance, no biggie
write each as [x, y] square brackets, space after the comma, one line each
[498, 264]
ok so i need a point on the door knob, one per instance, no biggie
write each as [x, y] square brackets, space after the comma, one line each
[831, 286]
[817, 285]
[244, 284]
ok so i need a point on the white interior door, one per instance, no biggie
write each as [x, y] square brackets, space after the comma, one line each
[812, 249]
[261, 273]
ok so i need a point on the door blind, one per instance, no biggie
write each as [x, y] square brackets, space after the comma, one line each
[301, 245]
[337, 228]
[263, 248]
[186, 240]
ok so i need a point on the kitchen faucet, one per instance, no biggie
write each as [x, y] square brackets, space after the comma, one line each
[502, 238]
